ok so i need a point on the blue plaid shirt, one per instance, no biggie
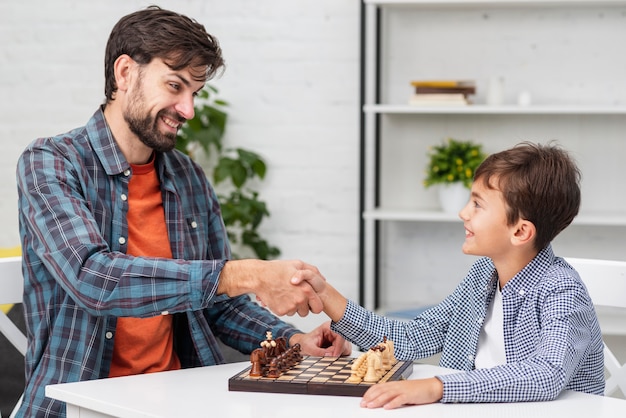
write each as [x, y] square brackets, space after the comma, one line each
[73, 202]
[551, 334]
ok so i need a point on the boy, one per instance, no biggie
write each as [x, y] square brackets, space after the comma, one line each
[521, 326]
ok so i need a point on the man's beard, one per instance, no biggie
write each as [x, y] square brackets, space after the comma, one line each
[146, 127]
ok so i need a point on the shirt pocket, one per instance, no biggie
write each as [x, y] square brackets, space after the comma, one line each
[195, 237]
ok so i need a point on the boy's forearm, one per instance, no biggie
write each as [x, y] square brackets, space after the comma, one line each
[334, 302]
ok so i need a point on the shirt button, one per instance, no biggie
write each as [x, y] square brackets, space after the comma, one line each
[470, 357]
[124, 197]
[194, 224]
[127, 172]
[108, 335]
[521, 292]
[122, 240]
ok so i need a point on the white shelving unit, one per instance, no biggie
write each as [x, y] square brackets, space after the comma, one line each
[385, 115]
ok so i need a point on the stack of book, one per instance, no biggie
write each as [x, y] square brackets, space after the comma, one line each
[442, 92]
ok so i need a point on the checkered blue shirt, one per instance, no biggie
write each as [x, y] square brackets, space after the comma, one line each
[551, 334]
[73, 202]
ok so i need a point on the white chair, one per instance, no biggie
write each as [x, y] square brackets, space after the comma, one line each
[11, 291]
[606, 282]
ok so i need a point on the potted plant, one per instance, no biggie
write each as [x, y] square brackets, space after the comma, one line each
[242, 210]
[452, 166]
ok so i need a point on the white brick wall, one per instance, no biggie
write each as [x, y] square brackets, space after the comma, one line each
[291, 79]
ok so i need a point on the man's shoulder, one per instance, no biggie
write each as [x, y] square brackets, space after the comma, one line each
[74, 139]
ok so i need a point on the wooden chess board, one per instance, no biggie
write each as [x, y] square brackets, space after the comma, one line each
[316, 376]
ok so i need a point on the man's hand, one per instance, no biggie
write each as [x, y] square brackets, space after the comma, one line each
[391, 395]
[322, 342]
[273, 284]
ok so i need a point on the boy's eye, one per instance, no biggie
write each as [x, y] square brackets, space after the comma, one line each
[476, 204]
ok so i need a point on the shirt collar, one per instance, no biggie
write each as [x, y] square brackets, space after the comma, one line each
[104, 145]
[530, 275]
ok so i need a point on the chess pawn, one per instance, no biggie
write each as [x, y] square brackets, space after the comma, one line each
[358, 369]
[273, 369]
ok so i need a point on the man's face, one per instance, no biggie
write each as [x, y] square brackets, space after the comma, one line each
[159, 102]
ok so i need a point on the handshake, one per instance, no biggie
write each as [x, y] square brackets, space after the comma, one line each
[285, 287]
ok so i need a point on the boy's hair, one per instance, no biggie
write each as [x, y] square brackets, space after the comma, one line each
[156, 33]
[539, 183]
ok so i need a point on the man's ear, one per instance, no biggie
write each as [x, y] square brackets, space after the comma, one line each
[524, 232]
[123, 68]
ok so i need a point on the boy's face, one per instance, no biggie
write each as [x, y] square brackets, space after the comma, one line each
[484, 218]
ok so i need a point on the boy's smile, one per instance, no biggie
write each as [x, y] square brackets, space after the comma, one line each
[485, 222]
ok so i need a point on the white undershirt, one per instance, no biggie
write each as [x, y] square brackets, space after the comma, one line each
[490, 350]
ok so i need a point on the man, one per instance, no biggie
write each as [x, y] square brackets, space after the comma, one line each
[126, 259]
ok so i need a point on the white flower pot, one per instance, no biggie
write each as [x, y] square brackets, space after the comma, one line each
[453, 197]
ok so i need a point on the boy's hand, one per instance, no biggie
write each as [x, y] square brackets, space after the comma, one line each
[391, 395]
[334, 303]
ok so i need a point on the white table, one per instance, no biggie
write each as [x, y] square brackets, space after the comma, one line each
[203, 392]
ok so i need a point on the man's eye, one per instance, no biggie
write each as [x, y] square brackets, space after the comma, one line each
[175, 86]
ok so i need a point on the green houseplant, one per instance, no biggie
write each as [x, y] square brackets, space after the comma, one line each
[453, 161]
[452, 166]
[231, 170]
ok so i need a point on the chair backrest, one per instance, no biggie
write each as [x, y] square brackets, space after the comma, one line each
[11, 292]
[606, 282]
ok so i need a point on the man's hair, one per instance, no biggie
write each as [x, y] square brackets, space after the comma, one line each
[156, 33]
[539, 183]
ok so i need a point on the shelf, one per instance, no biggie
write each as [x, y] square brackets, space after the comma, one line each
[496, 110]
[596, 219]
[392, 28]
[498, 3]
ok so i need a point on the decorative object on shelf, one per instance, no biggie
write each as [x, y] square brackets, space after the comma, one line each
[453, 196]
[242, 210]
[442, 92]
[452, 165]
[524, 98]
[495, 91]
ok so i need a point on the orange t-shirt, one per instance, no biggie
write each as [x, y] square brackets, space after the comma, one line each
[144, 345]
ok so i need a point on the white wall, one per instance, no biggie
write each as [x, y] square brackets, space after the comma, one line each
[292, 80]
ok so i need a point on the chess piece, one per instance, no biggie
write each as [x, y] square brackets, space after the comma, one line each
[273, 371]
[257, 358]
[358, 369]
[269, 345]
[374, 366]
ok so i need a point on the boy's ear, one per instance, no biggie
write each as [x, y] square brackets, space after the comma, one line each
[523, 233]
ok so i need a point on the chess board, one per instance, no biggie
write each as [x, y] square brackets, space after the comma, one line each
[316, 376]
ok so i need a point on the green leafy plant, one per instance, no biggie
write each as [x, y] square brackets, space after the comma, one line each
[232, 168]
[453, 161]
